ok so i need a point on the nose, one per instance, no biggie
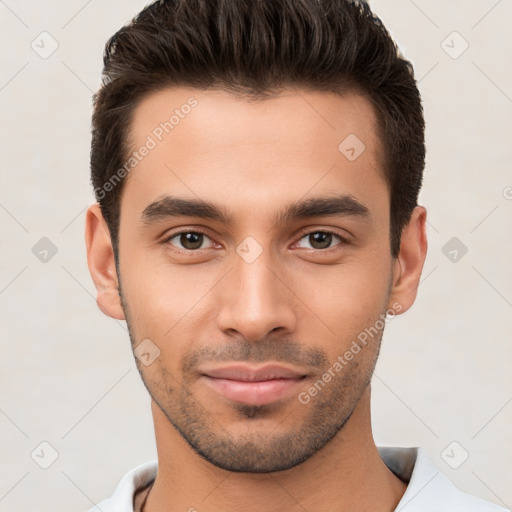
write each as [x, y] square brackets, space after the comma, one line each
[255, 299]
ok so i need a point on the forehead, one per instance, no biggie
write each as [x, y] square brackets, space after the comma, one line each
[213, 113]
[208, 143]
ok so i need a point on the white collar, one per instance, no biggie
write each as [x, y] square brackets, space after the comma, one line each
[427, 490]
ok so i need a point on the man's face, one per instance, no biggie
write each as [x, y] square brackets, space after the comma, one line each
[221, 300]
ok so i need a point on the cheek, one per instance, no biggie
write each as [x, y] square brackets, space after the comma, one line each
[348, 300]
[156, 286]
[167, 304]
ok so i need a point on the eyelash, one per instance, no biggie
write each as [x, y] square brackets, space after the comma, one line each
[302, 235]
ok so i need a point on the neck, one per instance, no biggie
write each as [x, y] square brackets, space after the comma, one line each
[346, 474]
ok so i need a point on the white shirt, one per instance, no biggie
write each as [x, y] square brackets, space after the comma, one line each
[428, 490]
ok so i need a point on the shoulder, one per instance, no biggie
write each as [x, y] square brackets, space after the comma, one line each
[122, 499]
[428, 488]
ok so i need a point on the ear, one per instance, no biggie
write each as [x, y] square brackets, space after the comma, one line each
[408, 265]
[100, 259]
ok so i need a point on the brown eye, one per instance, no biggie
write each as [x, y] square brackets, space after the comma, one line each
[189, 240]
[320, 239]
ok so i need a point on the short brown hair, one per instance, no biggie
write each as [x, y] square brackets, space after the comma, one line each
[253, 48]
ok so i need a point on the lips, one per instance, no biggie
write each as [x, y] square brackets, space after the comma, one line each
[253, 386]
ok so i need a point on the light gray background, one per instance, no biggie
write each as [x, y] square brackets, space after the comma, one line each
[67, 373]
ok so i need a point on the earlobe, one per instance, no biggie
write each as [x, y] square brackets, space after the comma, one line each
[101, 262]
[409, 264]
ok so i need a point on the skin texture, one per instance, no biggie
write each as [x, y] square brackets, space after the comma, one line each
[299, 303]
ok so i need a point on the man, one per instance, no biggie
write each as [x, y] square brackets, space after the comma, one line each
[257, 167]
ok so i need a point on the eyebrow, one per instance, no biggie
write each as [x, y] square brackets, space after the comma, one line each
[166, 207]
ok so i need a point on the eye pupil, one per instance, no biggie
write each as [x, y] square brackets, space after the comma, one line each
[324, 239]
[191, 240]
